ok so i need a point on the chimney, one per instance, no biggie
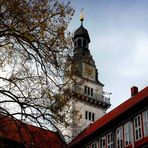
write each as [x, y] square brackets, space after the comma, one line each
[134, 91]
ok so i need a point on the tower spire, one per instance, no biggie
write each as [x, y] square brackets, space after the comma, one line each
[82, 17]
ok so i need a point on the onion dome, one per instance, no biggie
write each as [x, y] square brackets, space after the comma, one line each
[81, 32]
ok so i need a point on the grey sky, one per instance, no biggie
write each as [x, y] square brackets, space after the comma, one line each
[119, 42]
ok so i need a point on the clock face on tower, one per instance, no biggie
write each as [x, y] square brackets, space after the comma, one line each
[88, 71]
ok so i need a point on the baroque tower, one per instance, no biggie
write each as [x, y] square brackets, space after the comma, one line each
[89, 103]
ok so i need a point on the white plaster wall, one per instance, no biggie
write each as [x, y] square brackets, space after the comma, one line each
[82, 107]
[97, 88]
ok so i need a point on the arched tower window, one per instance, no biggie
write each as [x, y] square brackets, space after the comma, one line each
[79, 42]
[84, 43]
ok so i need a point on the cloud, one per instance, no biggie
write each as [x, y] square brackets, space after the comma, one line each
[119, 43]
[122, 59]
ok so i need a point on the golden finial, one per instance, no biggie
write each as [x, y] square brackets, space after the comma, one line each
[82, 16]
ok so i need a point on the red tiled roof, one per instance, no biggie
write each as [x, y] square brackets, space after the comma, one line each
[111, 115]
[29, 135]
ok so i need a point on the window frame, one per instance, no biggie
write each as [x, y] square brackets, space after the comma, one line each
[79, 42]
[90, 116]
[128, 133]
[138, 129]
[96, 144]
[119, 144]
[84, 43]
[86, 115]
[89, 146]
[88, 91]
[145, 122]
[93, 117]
[109, 141]
[101, 142]
[91, 92]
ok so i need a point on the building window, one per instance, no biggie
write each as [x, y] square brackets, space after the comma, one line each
[84, 43]
[137, 128]
[89, 116]
[88, 91]
[86, 114]
[76, 43]
[94, 144]
[102, 142]
[119, 137]
[145, 122]
[127, 133]
[85, 89]
[79, 42]
[91, 92]
[93, 117]
[110, 140]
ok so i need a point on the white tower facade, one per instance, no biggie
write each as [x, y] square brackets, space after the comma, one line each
[89, 102]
